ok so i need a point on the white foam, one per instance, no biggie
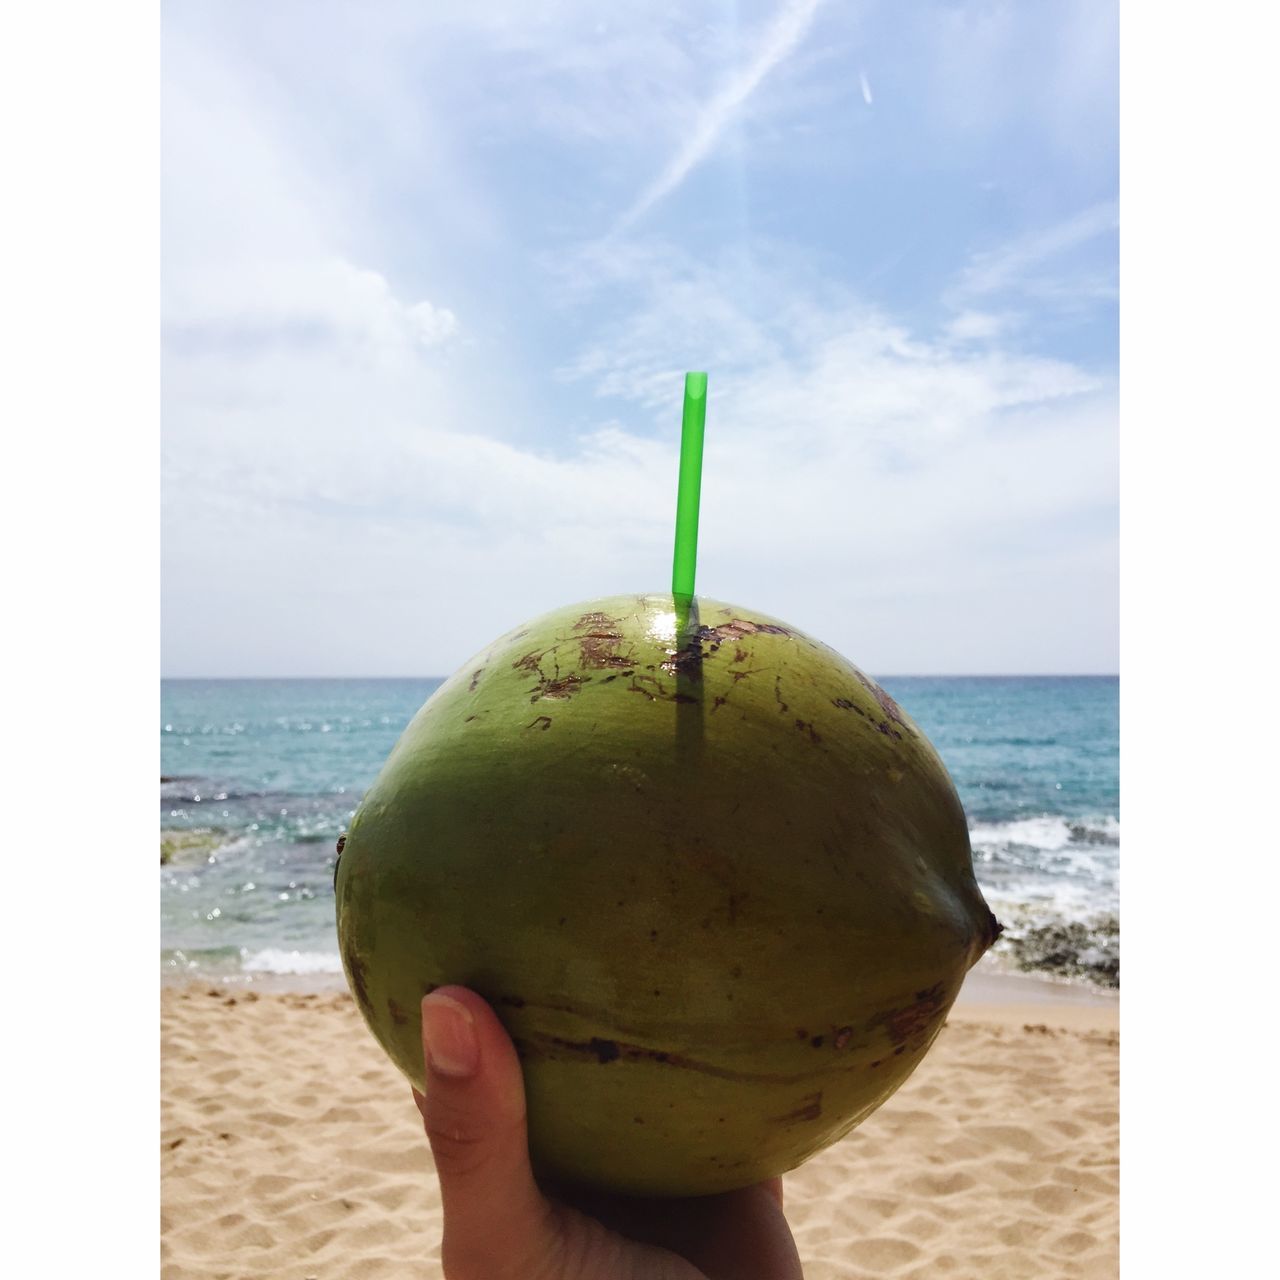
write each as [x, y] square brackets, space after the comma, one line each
[275, 960]
[1048, 867]
[1049, 832]
[1044, 900]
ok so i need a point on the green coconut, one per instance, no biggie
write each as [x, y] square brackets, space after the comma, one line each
[715, 882]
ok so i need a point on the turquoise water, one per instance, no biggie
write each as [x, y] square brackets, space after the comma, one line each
[260, 777]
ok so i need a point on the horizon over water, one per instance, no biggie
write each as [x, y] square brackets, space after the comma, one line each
[260, 775]
[897, 675]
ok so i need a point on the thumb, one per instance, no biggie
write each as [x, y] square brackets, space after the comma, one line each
[496, 1221]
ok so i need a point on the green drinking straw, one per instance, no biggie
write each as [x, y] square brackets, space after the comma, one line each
[685, 562]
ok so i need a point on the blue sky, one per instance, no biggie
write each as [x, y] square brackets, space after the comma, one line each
[432, 275]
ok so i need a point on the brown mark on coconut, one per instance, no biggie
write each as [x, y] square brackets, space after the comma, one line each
[605, 1050]
[806, 726]
[845, 705]
[600, 649]
[359, 980]
[600, 642]
[913, 1019]
[398, 1015]
[777, 693]
[887, 704]
[562, 687]
[685, 661]
[544, 722]
[596, 622]
[602, 1050]
[738, 629]
[475, 678]
[608, 1051]
[529, 662]
[636, 687]
[658, 692]
[810, 1108]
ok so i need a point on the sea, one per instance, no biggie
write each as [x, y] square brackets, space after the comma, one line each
[260, 777]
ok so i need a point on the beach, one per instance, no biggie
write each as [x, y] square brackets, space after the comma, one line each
[291, 1148]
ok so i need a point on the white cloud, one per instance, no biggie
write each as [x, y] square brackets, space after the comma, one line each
[251, 263]
[350, 480]
[779, 41]
[796, 348]
[855, 497]
[321, 301]
[851, 468]
[432, 324]
[1012, 265]
[976, 326]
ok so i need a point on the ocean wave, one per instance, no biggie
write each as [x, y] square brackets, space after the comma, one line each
[195, 960]
[1048, 832]
[277, 960]
[230, 962]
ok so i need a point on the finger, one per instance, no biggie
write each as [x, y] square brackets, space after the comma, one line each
[774, 1187]
[496, 1221]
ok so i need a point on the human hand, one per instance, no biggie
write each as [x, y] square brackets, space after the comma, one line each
[499, 1224]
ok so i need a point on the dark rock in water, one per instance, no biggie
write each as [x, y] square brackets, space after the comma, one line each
[1071, 949]
[1081, 834]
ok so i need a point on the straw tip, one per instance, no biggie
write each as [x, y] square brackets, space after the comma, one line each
[695, 384]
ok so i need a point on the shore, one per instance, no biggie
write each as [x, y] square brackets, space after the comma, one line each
[290, 1147]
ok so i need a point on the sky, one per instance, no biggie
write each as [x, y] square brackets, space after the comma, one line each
[432, 275]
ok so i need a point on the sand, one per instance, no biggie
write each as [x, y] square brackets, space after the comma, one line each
[290, 1148]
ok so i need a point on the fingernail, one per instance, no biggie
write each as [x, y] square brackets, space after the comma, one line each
[449, 1036]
